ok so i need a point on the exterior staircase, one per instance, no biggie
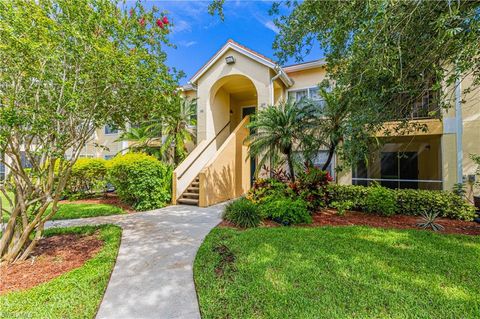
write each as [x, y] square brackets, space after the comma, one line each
[191, 195]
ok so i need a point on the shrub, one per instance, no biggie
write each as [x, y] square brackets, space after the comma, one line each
[87, 178]
[141, 180]
[447, 204]
[242, 213]
[381, 200]
[408, 201]
[264, 188]
[342, 206]
[311, 187]
[286, 211]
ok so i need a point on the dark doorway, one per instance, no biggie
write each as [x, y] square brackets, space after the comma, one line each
[253, 163]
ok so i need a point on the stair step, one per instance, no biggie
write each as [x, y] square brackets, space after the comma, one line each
[188, 201]
[195, 184]
[193, 190]
[190, 195]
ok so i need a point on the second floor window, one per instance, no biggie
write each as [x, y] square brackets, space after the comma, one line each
[308, 93]
[110, 129]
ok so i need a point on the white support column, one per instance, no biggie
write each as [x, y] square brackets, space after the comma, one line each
[459, 131]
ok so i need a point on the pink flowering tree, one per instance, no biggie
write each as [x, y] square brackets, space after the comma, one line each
[68, 68]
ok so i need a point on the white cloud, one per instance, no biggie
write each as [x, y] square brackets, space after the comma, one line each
[181, 26]
[187, 44]
[270, 25]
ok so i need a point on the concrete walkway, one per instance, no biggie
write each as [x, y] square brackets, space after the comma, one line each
[153, 275]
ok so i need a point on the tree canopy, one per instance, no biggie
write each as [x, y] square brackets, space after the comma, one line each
[67, 68]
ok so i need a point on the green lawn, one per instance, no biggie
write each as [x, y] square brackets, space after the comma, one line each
[72, 211]
[337, 272]
[75, 294]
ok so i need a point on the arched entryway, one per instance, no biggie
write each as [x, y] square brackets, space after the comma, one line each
[231, 99]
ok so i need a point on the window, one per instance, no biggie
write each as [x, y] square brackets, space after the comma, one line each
[310, 93]
[24, 160]
[107, 157]
[110, 129]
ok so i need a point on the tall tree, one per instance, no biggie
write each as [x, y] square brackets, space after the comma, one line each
[67, 68]
[284, 129]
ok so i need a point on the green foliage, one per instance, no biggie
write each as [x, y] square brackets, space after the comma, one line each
[281, 129]
[141, 180]
[342, 206]
[408, 201]
[73, 210]
[88, 177]
[311, 187]
[264, 188]
[380, 200]
[447, 204]
[242, 213]
[339, 273]
[286, 211]
[428, 220]
[75, 294]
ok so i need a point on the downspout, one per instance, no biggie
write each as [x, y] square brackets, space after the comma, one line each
[272, 90]
[459, 133]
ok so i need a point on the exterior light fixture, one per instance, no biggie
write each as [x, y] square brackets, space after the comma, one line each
[230, 59]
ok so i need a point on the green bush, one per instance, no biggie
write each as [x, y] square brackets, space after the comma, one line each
[242, 213]
[264, 188]
[141, 180]
[286, 211]
[447, 204]
[381, 200]
[342, 206]
[88, 177]
[407, 201]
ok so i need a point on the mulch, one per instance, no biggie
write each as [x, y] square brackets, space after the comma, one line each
[52, 257]
[329, 217]
[108, 199]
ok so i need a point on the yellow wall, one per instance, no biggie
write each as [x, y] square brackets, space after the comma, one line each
[307, 78]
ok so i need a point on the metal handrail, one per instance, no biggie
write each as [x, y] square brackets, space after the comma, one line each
[199, 154]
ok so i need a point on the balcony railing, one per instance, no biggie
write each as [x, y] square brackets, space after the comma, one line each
[426, 107]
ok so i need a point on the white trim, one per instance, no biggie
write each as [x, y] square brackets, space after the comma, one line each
[246, 107]
[305, 66]
[397, 180]
[226, 47]
[459, 131]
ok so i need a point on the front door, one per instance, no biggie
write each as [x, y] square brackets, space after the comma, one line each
[253, 163]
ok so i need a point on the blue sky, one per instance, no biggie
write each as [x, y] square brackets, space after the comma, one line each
[198, 35]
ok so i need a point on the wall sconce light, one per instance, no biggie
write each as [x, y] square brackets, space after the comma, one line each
[230, 59]
[231, 111]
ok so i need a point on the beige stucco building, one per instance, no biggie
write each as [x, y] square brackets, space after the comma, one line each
[237, 81]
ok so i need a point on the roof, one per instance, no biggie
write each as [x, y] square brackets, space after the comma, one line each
[249, 53]
[305, 65]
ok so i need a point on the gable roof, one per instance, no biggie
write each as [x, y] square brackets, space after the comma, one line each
[247, 52]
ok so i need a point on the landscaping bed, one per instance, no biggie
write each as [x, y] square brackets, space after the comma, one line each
[107, 199]
[66, 276]
[330, 217]
[337, 272]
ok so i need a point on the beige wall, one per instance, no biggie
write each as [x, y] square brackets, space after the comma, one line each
[216, 76]
[307, 78]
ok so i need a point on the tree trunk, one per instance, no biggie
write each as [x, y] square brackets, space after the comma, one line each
[290, 166]
[331, 151]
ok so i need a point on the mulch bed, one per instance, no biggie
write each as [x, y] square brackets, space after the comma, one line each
[108, 199]
[329, 217]
[52, 257]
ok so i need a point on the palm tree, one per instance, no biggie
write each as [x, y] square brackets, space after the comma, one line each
[178, 127]
[145, 137]
[281, 129]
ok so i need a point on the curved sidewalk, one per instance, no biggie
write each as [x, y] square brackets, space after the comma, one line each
[153, 275]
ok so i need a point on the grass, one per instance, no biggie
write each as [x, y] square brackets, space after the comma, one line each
[75, 294]
[72, 211]
[337, 272]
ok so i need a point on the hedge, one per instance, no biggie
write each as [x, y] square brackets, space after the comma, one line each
[88, 177]
[407, 201]
[141, 180]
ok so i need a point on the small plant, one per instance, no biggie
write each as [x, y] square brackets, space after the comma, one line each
[428, 220]
[242, 213]
[342, 206]
[286, 211]
[459, 189]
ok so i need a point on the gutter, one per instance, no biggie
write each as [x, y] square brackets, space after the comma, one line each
[285, 79]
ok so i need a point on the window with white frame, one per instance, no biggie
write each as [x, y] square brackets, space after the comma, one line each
[309, 93]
